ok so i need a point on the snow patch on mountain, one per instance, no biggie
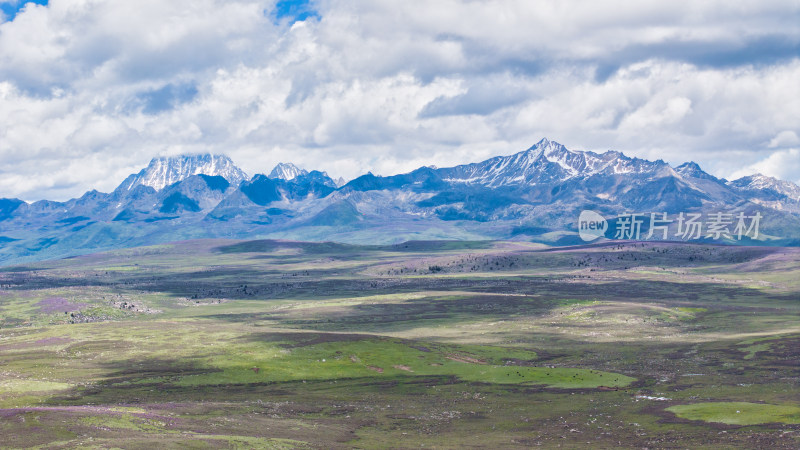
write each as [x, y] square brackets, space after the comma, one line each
[286, 171]
[168, 170]
[548, 162]
[759, 182]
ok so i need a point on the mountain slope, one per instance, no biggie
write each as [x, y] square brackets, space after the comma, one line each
[536, 194]
[164, 171]
[767, 185]
[546, 162]
[286, 171]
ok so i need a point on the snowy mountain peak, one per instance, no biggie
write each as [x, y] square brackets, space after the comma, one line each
[692, 169]
[759, 182]
[548, 162]
[167, 170]
[548, 146]
[287, 171]
[688, 167]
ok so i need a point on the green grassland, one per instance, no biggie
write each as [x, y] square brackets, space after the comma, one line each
[273, 344]
[738, 413]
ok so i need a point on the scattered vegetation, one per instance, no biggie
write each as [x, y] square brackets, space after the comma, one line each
[270, 344]
[738, 413]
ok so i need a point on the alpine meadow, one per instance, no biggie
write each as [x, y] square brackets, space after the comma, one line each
[344, 224]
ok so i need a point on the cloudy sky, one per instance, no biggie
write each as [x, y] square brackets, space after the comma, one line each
[90, 90]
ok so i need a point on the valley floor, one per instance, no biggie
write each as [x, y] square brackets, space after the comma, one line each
[268, 344]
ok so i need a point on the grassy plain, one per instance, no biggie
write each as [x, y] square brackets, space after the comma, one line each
[269, 344]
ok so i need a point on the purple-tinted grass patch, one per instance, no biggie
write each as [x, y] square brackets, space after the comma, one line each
[53, 341]
[39, 343]
[59, 304]
[109, 411]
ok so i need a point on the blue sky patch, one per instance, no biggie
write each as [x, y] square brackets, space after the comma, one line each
[10, 8]
[295, 10]
[168, 97]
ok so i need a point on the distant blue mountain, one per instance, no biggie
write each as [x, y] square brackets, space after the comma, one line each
[535, 195]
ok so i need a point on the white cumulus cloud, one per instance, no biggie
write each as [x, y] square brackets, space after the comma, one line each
[90, 90]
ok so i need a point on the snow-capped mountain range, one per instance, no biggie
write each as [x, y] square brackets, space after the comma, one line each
[287, 171]
[547, 162]
[536, 194]
[164, 171]
[764, 184]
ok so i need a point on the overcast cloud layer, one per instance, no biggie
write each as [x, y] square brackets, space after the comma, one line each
[90, 90]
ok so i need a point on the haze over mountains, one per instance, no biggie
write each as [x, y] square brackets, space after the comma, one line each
[536, 195]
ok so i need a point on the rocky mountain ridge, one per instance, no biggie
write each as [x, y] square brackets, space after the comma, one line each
[536, 194]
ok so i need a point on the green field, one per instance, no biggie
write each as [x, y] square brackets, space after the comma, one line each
[268, 344]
